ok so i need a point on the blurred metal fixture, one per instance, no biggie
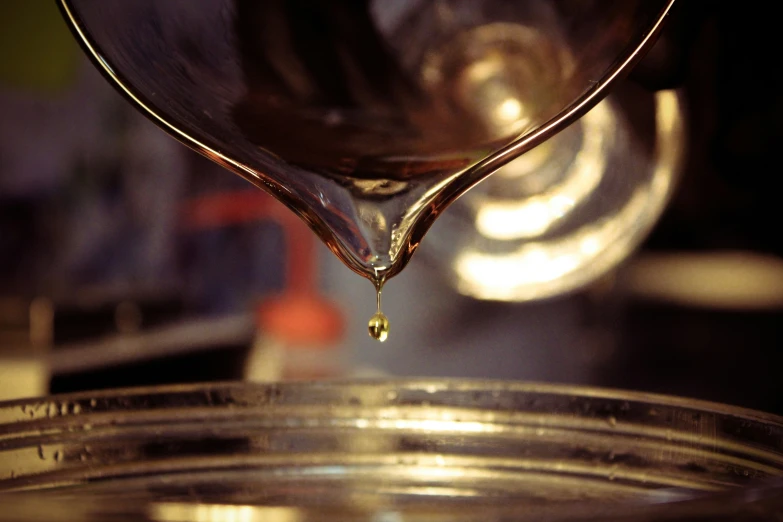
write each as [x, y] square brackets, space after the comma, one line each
[710, 280]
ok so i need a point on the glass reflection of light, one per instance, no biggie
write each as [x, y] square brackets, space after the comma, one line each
[446, 424]
[541, 268]
[510, 110]
[532, 216]
[436, 426]
[186, 512]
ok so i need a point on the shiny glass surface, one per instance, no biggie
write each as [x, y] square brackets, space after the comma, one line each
[366, 118]
[567, 213]
[395, 450]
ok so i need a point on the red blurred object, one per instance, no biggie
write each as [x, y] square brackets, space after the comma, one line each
[299, 316]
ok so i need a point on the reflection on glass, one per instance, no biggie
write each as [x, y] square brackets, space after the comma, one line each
[194, 512]
[572, 212]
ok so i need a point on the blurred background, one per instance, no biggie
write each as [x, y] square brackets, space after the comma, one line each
[126, 259]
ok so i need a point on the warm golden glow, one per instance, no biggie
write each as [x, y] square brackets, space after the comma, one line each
[510, 110]
[187, 512]
[722, 280]
[532, 216]
[539, 268]
[535, 265]
[23, 376]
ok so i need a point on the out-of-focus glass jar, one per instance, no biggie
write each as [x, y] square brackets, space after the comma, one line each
[386, 451]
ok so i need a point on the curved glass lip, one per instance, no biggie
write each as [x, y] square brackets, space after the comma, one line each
[449, 194]
[432, 385]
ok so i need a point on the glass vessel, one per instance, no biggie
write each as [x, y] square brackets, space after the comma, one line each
[366, 118]
[397, 450]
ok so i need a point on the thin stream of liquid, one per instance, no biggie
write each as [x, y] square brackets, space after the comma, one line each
[378, 325]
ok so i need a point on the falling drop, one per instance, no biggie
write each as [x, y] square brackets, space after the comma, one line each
[379, 323]
[378, 327]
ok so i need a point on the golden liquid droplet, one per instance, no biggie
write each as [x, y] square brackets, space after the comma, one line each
[378, 327]
[379, 323]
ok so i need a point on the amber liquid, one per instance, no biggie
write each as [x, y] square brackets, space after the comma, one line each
[378, 325]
